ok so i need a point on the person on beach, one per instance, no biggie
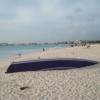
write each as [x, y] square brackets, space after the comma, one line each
[19, 54]
[43, 49]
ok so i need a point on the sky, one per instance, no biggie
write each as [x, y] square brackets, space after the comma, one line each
[49, 20]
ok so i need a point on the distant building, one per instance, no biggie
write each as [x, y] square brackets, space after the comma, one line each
[4, 44]
[77, 42]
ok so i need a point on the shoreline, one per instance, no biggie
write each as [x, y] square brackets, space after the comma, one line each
[91, 53]
[13, 51]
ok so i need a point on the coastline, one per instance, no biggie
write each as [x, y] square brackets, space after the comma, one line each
[92, 53]
[72, 84]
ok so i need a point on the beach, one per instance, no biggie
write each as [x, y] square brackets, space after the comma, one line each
[92, 53]
[72, 84]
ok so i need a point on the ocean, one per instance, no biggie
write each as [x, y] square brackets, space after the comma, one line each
[9, 51]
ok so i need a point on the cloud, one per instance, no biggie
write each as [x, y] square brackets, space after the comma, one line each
[67, 18]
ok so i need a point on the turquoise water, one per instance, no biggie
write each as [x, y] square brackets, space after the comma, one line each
[7, 51]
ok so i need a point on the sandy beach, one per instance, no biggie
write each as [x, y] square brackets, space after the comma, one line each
[92, 53]
[72, 84]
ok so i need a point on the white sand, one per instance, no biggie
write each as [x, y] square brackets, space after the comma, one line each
[74, 84]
